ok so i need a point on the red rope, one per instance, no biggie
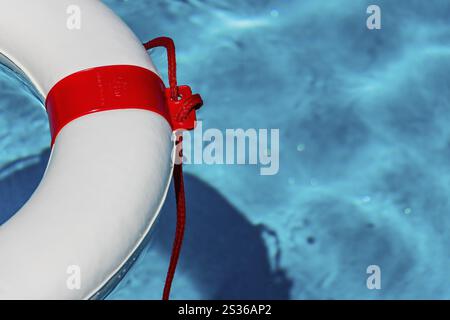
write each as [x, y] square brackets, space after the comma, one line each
[171, 59]
[188, 105]
[179, 231]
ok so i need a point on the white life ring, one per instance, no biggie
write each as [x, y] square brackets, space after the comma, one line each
[109, 171]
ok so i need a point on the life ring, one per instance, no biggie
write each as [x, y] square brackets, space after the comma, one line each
[112, 121]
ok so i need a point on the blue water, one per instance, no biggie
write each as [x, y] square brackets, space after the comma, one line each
[365, 149]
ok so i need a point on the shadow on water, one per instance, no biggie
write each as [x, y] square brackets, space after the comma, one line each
[18, 180]
[224, 253]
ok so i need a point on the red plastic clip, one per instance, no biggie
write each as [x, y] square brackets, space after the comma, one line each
[182, 111]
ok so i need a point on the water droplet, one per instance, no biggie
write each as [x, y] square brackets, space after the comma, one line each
[300, 147]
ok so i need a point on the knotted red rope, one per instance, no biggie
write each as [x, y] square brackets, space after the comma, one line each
[182, 104]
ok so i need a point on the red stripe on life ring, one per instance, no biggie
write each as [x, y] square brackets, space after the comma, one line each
[104, 88]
